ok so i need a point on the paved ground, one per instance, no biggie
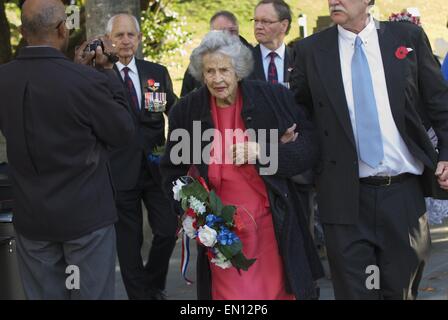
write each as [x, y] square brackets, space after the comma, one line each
[434, 285]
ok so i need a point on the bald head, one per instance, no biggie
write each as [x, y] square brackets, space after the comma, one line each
[40, 19]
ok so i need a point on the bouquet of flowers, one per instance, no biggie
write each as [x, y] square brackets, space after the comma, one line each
[405, 16]
[211, 223]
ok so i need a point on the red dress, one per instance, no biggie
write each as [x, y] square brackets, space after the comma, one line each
[243, 187]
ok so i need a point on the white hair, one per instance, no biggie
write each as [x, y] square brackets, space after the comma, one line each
[110, 22]
[227, 44]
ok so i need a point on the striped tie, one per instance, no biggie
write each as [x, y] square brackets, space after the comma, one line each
[272, 69]
[131, 88]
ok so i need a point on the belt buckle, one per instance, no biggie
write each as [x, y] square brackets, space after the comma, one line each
[389, 181]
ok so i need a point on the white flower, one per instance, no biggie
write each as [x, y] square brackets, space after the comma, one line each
[221, 261]
[187, 225]
[207, 236]
[177, 186]
[197, 206]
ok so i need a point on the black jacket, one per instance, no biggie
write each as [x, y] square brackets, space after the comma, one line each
[127, 162]
[412, 83]
[264, 107]
[59, 119]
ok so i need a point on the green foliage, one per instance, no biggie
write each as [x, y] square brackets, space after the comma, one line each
[158, 150]
[163, 34]
[196, 190]
[240, 260]
[232, 250]
[227, 214]
[215, 204]
[13, 15]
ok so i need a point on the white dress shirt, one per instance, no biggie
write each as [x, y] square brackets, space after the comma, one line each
[279, 61]
[133, 74]
[397, 158]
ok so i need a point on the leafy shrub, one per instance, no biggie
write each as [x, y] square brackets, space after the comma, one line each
[163, 34]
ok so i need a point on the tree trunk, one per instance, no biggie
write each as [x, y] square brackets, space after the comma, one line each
[98, 13]
[5, 36]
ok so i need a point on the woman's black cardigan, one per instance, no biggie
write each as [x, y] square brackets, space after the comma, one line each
[265, 106]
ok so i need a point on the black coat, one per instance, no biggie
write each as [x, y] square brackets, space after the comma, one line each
[127, 162]
[264, 107]
[412, 82]
[59, 119]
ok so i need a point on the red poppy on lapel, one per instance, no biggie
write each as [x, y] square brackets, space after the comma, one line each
[151, 82]
[402, 52]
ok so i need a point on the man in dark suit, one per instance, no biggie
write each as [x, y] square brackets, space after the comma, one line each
[272, 58]
[135, 168]
[273, 63]
[363, 81]
[221, 20]
[59, 120]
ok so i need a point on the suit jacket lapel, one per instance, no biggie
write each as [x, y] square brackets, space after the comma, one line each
[143, 77]
[329, 69]
[394, 70]
[286, 64]
[118, 73]
[258, 65]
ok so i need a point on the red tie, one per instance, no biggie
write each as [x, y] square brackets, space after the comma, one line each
[131, 88]
[272, 69]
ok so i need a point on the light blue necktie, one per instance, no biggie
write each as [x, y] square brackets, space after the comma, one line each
[370, 144]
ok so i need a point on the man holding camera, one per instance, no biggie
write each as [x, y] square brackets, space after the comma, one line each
[135, 168]
[59, 120]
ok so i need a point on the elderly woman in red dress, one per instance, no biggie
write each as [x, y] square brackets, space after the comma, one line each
[275, 231]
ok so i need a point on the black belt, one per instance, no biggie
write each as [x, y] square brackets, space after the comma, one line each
[385, 180]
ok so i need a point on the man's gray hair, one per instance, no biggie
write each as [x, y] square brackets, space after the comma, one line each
[226, 44]
[39, 24]
[110, 22]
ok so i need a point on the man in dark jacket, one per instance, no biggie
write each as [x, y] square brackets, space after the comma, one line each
[59, 120]
[272, 58]
[135, 168]
[221, 20]
[364, 82]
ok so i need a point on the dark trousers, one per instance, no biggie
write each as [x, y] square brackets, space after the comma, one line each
[45, 276]
[144, 281]
[391, 233]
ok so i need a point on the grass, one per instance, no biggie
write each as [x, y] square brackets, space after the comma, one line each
[198, 12]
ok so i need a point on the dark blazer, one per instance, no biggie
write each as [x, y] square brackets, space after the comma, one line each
[264, 107]
[127, 162]
[190, 84]
[412, 82]
[59, 119]
[258, 72]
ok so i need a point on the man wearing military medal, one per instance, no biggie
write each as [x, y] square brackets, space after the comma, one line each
[135, 168]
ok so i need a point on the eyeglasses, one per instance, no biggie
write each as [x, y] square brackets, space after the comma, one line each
[264, 23]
